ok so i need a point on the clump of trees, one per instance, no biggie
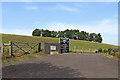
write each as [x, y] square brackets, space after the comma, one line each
[71, 34]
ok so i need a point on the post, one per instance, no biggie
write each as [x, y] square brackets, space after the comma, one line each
[10, 48]
[2, 48]
[39, 47]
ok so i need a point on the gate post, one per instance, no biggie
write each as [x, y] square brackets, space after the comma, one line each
[10, 48]
[39, 47]
[2, 48]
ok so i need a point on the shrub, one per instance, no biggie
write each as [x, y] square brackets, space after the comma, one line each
[99, 50]
[105, 51]
[115, 50]
[112, 54]
[109, 50]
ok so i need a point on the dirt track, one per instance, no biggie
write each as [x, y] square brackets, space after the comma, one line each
[63, 66]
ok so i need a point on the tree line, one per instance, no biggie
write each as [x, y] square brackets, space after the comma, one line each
[71, 34]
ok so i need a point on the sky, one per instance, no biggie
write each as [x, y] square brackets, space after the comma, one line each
[22, 18]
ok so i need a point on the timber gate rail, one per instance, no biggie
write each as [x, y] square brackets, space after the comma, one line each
[21, 47]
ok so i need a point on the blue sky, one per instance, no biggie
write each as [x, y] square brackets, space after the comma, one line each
[99, 17]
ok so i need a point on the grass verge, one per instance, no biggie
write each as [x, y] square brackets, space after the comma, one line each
[23, 57]
[111, 57]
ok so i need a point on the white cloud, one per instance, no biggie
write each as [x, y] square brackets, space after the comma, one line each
[107, 27]
[31, 7]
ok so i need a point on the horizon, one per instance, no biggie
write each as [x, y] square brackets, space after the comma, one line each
[92, 17]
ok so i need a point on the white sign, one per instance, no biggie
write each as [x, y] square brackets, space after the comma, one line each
[52, 47]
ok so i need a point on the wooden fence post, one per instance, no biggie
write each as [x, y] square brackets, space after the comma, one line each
[2, 48]
[10, 48]
[39, 47]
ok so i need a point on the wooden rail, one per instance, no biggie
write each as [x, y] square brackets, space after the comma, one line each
[14, 47]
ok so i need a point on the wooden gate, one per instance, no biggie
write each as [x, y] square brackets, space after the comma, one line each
[22, 47]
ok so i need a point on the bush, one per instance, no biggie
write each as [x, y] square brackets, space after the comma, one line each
[112, 54]
[105, 51]
[115, 50]
[100, 50]
[109, 50]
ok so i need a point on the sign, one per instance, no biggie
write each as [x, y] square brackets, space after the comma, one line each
[52, 47]
[64, 44]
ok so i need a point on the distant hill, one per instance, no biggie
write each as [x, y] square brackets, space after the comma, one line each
[78, 44]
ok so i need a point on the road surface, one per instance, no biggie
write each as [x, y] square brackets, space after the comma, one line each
[63, 66]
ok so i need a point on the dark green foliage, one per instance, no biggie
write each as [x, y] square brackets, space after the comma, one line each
[115, 50]
[53, 33]
[71, 34]
[99, 38]
[36, 32]
[105, 51]
[112, 51]
[46, 33]
[109, 50]
[83, 35]
[112, 54]
[93, 37]
[100, 50]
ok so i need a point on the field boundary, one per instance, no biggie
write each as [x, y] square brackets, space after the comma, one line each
[20, 47]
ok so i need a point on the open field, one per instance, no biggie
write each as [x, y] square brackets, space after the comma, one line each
[74, 44]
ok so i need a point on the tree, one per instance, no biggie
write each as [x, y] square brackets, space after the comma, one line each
[36, 32]
[67, 34]
[99, 38]
[75, 34]
[93, 37]
[46, 33]
[81, 36]
[60, 34]
[54, 33]
[71, 34]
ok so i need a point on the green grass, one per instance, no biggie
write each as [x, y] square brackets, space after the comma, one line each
[24, 57]
[75, 45]
[111, 57]
[10, 60]
[30, 55]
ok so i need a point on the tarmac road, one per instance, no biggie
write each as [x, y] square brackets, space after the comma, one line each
[63, 66]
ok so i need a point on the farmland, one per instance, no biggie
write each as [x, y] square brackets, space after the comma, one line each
[74, 45]
[77, 44]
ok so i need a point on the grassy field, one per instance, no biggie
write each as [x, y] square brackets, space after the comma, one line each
[75, 45]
